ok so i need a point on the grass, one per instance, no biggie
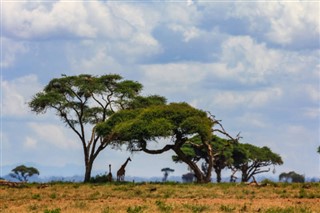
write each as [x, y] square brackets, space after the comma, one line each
[159, 197]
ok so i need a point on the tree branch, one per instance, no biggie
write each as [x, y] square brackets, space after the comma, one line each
[143, 147]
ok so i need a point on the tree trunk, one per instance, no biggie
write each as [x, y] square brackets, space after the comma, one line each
[197, 172]
[218, 172]
[210, 161]
[244, 176]
[87, 175]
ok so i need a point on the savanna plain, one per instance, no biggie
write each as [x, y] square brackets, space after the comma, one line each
[160, 197]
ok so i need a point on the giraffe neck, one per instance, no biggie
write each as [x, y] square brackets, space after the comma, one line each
[125, 164]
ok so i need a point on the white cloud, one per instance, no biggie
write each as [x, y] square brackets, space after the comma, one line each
[181, 14]
[54, 135]
[250, 99]
[249, 61]
[188, 33]
[313, 92]
[30, 143]
[10, 50]
[43, 20]
[128, 27]
[17, 93]
[286, 23]
[252, 119]
[171, 78]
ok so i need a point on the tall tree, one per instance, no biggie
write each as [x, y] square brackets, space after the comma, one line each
[83, 101]
[177, 122]
[22, 172]
[319, 149]
[252, 160]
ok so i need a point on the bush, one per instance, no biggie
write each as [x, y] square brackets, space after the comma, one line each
[99, 179]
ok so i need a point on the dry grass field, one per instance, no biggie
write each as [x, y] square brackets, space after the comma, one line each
[169, 197]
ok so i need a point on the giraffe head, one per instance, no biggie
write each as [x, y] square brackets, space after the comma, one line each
[129, 159]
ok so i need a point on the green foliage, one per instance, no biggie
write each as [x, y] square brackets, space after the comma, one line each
[268, 182]
[166, 172]
[251, 160]
[22, 172]
[137, 128]
[143, 102]
[221, 149]
[36, 196]
[53, 196]
[83, 101]
[318, 149]
[224, 208]
[135, 209]
[291, 177]
[155, 121]
[163, 207]
[57, 210]
[99, 179]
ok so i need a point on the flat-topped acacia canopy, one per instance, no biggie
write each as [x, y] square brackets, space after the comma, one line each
[177, 121]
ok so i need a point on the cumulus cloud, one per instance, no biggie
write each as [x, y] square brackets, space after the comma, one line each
[16, 93]
[44, 20]
[293, 24]
[250, 61]
[54, 135]
[127, 27]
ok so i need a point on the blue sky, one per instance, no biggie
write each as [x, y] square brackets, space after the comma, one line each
[253, 64]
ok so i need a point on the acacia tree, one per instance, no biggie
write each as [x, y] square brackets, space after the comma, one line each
[319, 149]
[252, 160]
[177, 122]
[83, 101]
[22, 173]
[166, 172]
[221, 151]
[291, 176]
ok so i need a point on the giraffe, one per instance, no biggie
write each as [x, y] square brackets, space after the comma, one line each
[121, 172]
[109, 176]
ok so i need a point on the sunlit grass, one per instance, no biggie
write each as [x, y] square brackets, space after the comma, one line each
[159, 197]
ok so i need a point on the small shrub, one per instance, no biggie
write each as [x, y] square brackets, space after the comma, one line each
[36, 196]
[99, 179]
[135, 209]
[302, 194]
[168, 193]
[163, 207]
[95, 195]
[196, 208]
[57, 210]
[225, 208]
[287, 210]
[267, 182]
[53, 195]
[33, 207]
